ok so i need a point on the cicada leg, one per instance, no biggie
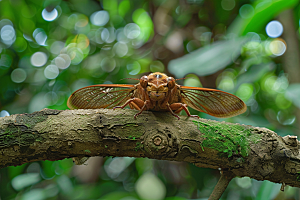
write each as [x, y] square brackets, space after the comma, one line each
[177, 107]
[171, 111]
[145, 107]
[135, 103]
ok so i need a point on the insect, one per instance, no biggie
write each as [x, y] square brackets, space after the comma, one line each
[158, 92]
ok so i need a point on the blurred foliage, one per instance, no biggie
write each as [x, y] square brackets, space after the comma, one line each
[50, 48]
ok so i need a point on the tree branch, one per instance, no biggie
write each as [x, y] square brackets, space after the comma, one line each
[221, 186]
[243, 150]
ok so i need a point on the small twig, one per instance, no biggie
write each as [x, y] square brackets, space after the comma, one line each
[282, 187]
[226, 177]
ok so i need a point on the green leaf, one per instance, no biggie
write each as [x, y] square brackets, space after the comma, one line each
[293, 93]
[265, 11]
[254, 73]
[24, 180]
[267, 190]
[35, 194]
[209, 59]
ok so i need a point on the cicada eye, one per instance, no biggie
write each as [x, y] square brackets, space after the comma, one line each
[171, 82]
[144, 81]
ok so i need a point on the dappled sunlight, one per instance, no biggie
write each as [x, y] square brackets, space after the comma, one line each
[49, 15]
[274, 29]
[38, 59]
[49, 49]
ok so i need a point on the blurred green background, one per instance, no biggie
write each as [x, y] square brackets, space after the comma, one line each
[50, 48]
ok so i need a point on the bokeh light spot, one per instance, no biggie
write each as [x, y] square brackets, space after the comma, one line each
[8, 34]
[144, 21]
[121, 37]
[82, 41]
[226, 84]
[50, 98]
[104, 34]
[281, 84]
[274, 29]
[75, 54]
[4, 113]
[192, 80]
[245, 91]
[285, 118]
[246, 11]
[63, 61]
[40, 36]
[149, 186]
[108, 64]
[157, 66]
[80, 83]
[191, 45]
[277, 47]
[252, 48]
[134, 68]
[37, 103]
[49, 16]
[121, 49]
[114, 167]
[56, 47]
[268, 83]
[228, 4]
[100, 18]
[132, 30]
[18, 75]
[51, 71]
[38, 59]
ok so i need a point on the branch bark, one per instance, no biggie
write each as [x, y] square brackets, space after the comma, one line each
[242, 150]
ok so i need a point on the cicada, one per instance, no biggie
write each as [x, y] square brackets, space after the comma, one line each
[158, 92]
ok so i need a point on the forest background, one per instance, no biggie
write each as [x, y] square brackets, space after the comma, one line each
[50, 48]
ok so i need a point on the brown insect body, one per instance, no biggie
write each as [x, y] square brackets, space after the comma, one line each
[157, 92]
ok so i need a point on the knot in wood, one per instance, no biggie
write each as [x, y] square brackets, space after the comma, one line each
[160, 144]
[157, 141]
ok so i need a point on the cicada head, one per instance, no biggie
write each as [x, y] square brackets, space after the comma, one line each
[157, 86]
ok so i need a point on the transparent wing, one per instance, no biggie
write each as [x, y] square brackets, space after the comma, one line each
[213, 102]
[100, 96]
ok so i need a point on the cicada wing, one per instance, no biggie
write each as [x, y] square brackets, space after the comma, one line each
[213, 102]
[100, 96]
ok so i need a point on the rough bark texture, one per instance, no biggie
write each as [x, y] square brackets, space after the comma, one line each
[243, 150]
